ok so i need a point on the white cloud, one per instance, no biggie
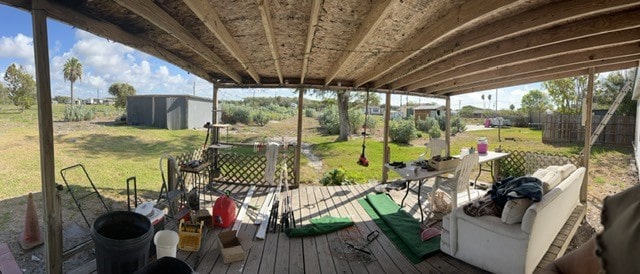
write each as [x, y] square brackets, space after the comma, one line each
[20, 47]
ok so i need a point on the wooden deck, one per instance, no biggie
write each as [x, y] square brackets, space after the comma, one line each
[320, 254]
[328, 253]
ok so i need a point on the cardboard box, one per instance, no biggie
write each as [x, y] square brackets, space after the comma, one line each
[230, 247]
[444, 165]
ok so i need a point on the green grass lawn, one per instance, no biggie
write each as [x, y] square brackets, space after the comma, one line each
[114, 153]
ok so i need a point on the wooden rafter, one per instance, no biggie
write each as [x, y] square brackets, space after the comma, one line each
[209, 16]
[512, 27]
[466, 15]
[448, 71]
[161, 19]
[311, 31]
[368, 26]
[271, 36]
[539, 77]
[501, 75]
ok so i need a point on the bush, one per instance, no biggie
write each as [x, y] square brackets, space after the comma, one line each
[309, 112]
[329, 120]
[78, 113]
[336, 177]
[426, 124]
[261, 118]
[434, 132]
[402, 131]
[457, 124]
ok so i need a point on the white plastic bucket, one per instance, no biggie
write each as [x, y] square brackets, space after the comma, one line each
[166, 243]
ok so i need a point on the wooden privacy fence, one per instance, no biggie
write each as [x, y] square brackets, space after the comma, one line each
[568, 129]
[521, 163]
[237, 168]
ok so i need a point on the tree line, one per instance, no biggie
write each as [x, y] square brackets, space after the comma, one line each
[19, 87]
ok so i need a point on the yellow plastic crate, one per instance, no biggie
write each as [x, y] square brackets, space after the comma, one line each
[190, 236]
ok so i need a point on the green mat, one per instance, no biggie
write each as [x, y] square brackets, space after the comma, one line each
[400, 227]
[320, 226]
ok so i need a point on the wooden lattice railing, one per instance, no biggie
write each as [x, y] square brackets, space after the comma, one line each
[520, 163]
[237, 168]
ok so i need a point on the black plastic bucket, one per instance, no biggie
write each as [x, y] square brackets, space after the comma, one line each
[166, 265]
[122, 241]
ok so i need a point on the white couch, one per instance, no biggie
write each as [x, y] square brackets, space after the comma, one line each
[490, 243]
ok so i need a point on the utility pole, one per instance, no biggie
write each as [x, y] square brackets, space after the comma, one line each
[194, 87]
[459, 105]
[496, 101]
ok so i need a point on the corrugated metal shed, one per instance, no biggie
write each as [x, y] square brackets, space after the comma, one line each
[169, 111]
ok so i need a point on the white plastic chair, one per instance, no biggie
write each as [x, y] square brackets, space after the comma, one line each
[454, 185]
[434, 147]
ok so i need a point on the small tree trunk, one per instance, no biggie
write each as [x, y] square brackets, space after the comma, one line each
[71, 93]
[343, 114]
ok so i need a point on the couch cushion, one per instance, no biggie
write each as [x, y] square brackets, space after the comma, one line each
[550, 180]
[540, 173]
[514, 210]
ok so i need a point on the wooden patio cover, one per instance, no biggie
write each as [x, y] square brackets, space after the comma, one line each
[427, 48]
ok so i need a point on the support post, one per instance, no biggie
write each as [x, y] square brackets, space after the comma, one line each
[296, 159]
[447, 125]
[385, 149]
[588, 101]
[52, 212]
[215, 135]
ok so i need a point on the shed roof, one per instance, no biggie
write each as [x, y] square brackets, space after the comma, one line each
[439, 47]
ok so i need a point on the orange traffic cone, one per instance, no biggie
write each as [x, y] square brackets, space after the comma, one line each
[30, 236]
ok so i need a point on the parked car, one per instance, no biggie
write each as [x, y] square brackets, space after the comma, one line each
[500, 122]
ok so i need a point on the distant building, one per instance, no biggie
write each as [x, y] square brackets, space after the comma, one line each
[169, 111]
[375, 110]
[425, 111]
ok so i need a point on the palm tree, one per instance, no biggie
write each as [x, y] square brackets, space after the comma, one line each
[483, 107]
[489, 97]
[72, 72]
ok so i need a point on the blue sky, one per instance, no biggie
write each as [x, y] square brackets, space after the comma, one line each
[106, 62]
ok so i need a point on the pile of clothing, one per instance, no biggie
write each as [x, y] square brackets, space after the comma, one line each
[493, 202]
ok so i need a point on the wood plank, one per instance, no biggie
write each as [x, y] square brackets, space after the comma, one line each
[161, 19]
[384, 250]
[257, 252]
[209, 17]
[8, 264]
[325, 258]
[309, 247]
[265, 14]
[533, 42]
[243, 210]
[569, 51]
[247, 232]
[50, 197]
[311, 32]
[296, 249]
[510, 26]
[334, 203]
[267, 265]
[324, 202]
[370, 24]
[511, 76]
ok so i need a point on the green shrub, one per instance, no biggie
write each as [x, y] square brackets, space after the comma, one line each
[336, 177]
[261, 118]
[426, 124]
[434, 132]
[329, 120]
[309, 112]
[402, 131]
[77, 113]
[457, 124]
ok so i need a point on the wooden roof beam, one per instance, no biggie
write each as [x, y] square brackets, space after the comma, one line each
[209, 16]
[539, 19]
[158, 17]
[311, 32]
[544, 77]
[368, 26]
[463, 17]
[271, 36]
[506, 74]
[447, 70]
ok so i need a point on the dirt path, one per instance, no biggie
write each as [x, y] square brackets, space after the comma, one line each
[314, 161]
